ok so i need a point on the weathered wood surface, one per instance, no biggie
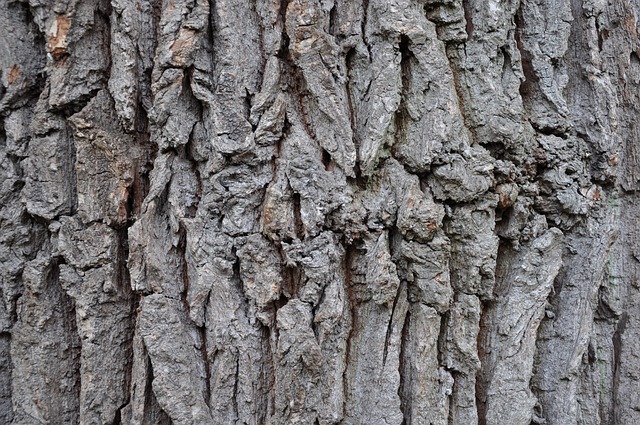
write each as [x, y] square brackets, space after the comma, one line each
[319, 212]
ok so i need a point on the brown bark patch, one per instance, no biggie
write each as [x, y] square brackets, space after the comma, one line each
[182, 46]
[57, 45]
[630, 24]
[14, 73]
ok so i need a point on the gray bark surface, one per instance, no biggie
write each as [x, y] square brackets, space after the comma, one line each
[319, 212]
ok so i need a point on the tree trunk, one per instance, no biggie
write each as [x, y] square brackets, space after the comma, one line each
[319, 212]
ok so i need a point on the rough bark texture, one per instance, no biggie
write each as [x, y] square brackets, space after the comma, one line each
[319, 212]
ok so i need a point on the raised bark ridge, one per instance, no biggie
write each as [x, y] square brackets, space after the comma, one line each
[319, 212]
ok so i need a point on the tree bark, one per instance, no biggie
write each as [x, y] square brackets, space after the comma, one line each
[319, 212]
